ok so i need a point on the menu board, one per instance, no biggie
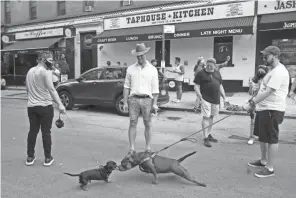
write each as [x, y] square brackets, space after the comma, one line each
[288, 54]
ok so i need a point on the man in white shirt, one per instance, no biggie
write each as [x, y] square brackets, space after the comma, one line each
[140, 93]
[270, 105]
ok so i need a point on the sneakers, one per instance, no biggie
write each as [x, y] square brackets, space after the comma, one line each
[256, 164]
[30, 160]
[251, 141]
[48, 161]
[265, 172]
[176, 101]
[207, 142]
[211, 139]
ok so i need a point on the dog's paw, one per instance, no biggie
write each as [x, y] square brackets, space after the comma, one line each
[155, 182]
[84, 188]
[109, 181]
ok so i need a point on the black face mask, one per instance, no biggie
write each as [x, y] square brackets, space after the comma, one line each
[48, 64]
[261, 75]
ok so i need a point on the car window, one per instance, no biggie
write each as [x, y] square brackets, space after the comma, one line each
[113, 74]
[92, 75]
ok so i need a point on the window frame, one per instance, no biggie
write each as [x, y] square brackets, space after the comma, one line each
[124, 4]
[7, 10]
[88, 3]
[88, 72]
[59, 11]
[31, 6]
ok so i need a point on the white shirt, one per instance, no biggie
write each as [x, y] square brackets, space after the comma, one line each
[38, 94]
[277, 79]
[54, 77]
[142, 81]
[179, 77]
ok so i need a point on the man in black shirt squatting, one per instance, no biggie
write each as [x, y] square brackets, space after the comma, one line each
[208, 87]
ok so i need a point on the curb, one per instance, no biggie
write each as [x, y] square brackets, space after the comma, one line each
[220, 112]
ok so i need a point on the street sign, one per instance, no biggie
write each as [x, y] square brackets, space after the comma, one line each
[169, 29]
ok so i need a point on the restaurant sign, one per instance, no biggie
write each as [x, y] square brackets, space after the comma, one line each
[276, 6]
[39, 33]
[277, 25]
[232, 10]
[177, 35]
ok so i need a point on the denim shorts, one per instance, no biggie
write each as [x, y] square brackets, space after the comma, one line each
[138, 106]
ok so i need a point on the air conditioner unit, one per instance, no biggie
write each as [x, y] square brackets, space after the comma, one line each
[126, 2]
[88, 8]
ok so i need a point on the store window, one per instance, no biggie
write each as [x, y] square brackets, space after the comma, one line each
[61, 7]
[7, 12]
[288, 54]
[33, 10]
[126, 2]
[223, 47]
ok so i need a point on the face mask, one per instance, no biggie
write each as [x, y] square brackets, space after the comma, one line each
[261, 74]
[48, 64]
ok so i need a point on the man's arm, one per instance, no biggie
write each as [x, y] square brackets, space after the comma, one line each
[127, 86]
[223, 64]
[49, 84]
[222, 91]
[293, 87]
[155, 87]
[197, 91]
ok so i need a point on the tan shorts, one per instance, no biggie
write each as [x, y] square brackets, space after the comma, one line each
[209, 109]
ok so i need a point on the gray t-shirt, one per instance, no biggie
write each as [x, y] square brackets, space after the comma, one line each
[38, 94]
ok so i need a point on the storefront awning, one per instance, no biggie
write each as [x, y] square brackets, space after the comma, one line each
[222, 27]
[278, 21]
[27, 46]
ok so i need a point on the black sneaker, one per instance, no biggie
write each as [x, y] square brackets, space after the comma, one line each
[211, 139]
[30, 160]
[48, 161]
[207, 142]
[265, 172]
[256, 164]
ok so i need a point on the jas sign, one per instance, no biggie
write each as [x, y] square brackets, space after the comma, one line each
[276, 6]
[232, 10]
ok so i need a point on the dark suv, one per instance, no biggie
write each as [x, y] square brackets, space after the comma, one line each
[103, 86]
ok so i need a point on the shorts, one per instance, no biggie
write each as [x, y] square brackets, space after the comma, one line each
[209, 109]
[267, 125]
[138, 106]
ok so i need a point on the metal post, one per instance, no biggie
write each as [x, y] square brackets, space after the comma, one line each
[163, 51]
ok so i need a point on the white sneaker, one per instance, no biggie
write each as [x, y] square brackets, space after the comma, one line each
[251, 141]
[177, 101]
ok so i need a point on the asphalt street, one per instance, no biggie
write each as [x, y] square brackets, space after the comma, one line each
[91, 137]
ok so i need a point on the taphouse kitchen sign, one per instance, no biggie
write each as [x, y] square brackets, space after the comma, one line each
[276, 6]
[232, 10]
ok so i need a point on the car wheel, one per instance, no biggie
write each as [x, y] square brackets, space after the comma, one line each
[3, 83]
[66, 99]
[119, 106]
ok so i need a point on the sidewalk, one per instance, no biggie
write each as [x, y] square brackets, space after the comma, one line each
[187, 103]
[240, 98]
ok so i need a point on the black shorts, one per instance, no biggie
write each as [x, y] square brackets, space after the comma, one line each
[267, 125]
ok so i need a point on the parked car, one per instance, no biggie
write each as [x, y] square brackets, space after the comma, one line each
[103, 86]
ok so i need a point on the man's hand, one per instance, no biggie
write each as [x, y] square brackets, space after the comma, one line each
[247, 106]
[154, 109]
[62, 109]
[291, 94]
[125, 106]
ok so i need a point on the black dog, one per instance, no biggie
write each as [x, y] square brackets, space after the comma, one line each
[101, 173]
[150, 163]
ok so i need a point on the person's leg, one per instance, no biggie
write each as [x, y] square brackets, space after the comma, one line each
[252, 125]
[206, 113]
[32, 135]
[134, 112]
[146, 105]
[214, 112]
[180, 85]
[47, 114]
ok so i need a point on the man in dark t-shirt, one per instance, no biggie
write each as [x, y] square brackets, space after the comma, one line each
[208, 87]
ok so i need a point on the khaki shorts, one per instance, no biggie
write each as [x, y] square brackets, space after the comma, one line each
[138, 106]
[209, 109]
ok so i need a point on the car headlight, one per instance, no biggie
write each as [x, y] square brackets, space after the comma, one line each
[163, 92]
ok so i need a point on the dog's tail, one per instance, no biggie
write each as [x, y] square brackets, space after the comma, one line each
[188, 155]
[73, 175]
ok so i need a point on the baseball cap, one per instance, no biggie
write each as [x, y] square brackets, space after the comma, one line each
[273, 50]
